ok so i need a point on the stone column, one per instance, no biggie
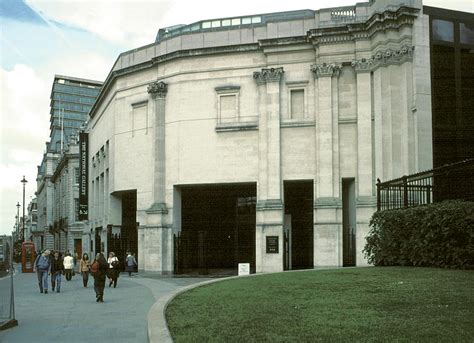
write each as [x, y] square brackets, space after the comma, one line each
[269, 204]
[327, 205]
[366, 201]
[157, 235]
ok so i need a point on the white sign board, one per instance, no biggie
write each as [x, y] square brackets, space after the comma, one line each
[244, 269]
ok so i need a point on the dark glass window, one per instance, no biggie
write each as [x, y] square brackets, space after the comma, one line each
[443, 30]
[466, 33]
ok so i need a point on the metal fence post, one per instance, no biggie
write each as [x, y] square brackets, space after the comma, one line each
[378, 195]
[405, 191]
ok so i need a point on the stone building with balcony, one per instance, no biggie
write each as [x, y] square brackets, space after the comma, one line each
[258, 139]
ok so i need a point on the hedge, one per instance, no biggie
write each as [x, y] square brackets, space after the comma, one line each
[435, 235]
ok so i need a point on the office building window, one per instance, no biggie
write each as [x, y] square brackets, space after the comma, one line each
[443, 30]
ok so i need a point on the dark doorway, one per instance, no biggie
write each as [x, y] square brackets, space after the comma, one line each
[218, 228]
[299, 223]
[78, 247]
[348, 222]
[128, 237]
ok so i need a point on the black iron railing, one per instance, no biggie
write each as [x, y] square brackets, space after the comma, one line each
[453, 181]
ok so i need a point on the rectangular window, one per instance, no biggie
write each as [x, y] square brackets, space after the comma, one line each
[228, 108]
[216, 23]
[466, 32]
[226, 22]
[297, 104]
[236, 21]
[443, 30]
[246, 21]
[206, 25]
[76, 210]
[140, 118]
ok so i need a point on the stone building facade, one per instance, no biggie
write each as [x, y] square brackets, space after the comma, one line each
[67, 229]
[259, 139]
[71, 101]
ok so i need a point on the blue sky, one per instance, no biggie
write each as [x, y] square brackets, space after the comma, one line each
[41, 38]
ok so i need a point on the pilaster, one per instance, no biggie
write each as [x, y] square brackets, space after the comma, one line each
[324, 185]
[327, 205]
[157, 236]
[364, 128]
[269, 205]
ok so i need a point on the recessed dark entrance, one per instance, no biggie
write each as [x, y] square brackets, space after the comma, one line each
[348, 222]
[122, 239]
[217, 228]
[298, 224]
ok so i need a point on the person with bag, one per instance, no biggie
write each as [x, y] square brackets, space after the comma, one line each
[114, 269]
[42, 267]
[68, 266]
[57, 268]
[131, 263]
[99, 270]
[84, 268]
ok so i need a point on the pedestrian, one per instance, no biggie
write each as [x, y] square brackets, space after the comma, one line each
[57, 269]
[114, 269]
[99, 270]
[68, 266]
[84, 268]
[131, 263]
[42, 267]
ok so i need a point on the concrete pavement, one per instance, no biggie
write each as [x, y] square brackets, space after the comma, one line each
[74, 316]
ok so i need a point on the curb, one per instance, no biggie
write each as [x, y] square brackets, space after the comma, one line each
[158, 330]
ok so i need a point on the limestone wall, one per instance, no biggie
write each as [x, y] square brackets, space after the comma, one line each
[330, 106]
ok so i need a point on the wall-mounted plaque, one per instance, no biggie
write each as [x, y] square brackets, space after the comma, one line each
[272, 244]
[244, 269]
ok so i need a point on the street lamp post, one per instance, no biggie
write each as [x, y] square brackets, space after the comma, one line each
[17, 218]
[23, 226]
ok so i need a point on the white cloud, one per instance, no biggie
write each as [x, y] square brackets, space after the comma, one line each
[24, 129]
[129, 23]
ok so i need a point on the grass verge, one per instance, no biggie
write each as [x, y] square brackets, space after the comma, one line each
[359, 304]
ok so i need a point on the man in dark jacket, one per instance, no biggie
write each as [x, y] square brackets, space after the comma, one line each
[42, 267]
[57, 269]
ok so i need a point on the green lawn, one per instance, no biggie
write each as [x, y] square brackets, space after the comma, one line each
[356, 304]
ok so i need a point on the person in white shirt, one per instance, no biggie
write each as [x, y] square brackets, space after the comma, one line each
[114, 269]
[68, 266]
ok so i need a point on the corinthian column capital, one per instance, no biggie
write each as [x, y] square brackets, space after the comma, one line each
[325, 69]
[268, 75]
[157, 89]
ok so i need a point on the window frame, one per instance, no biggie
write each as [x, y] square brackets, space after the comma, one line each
[298, 86]
[228, 91]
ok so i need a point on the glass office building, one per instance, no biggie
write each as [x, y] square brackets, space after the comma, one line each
[71, 100]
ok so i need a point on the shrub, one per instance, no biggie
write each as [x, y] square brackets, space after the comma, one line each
[436, 235]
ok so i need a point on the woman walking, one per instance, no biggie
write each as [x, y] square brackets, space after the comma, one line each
[131, 263]
[114, 269]
[84, 268]
[99, 271]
